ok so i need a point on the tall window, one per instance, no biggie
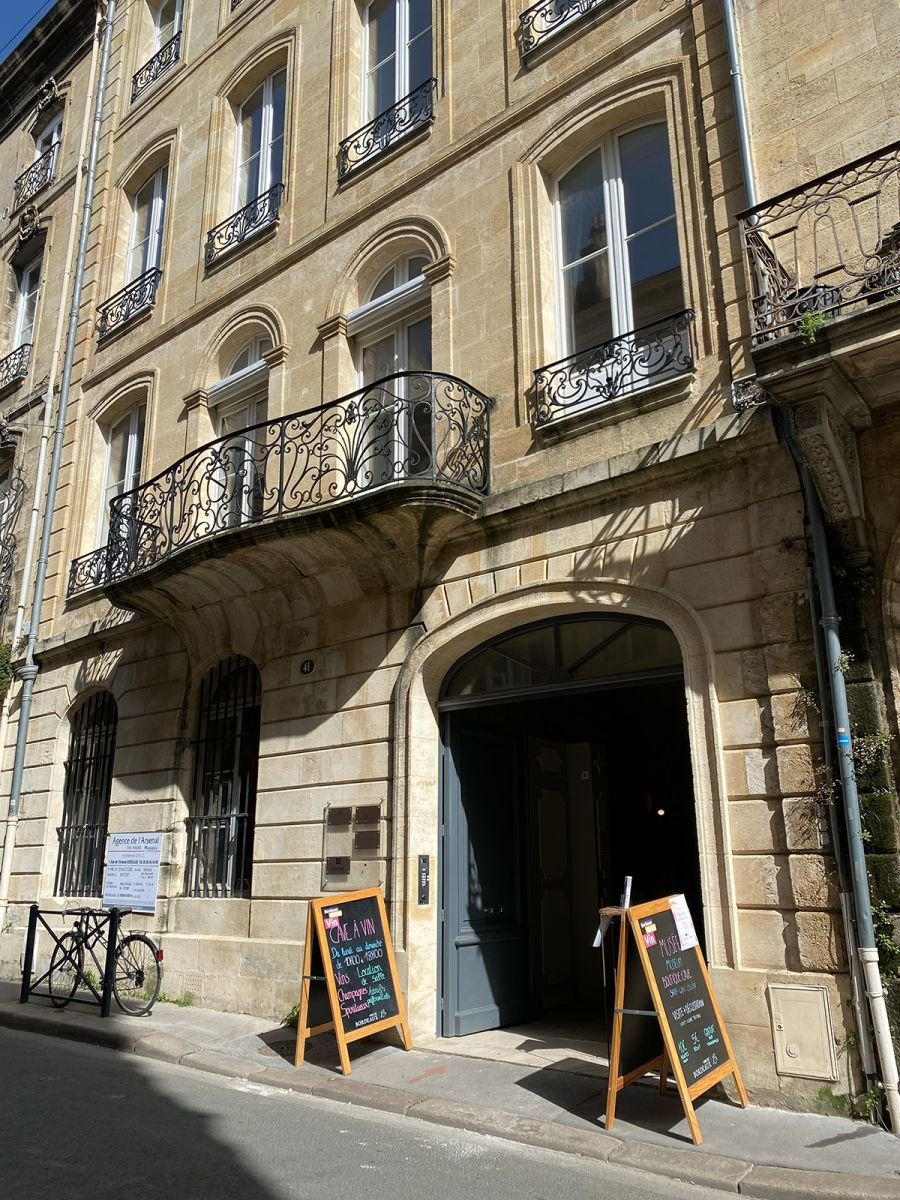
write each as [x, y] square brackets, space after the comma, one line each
[619, 262]
[259, 153]
[166, 22]
[220, 829]
[124, 451]
[398, 53]
[241, 403]
[28, 287]
[148, 209]
[392, 333]
[82, 835]
[49, 137]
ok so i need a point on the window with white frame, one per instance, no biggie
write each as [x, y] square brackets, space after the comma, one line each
[148, 210]
[397, 53]
[259, 152]
[49, 137]
[392, 336]
[28, 285]
[166, 22]
[618, 255]
[240, 404]
[122, 469]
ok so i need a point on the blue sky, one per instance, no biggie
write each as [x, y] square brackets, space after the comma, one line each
[14, 14]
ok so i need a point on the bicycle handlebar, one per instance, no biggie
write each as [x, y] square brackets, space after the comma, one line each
[87, 911]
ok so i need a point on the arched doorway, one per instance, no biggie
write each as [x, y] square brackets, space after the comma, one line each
[566, 767]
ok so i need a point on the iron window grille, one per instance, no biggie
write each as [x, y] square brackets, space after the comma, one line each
[38, 175]
[828, 247]
[656, 352]
[10, 506]
[414, 111]
[15, 366]
[88, 781]
[543, 21]
[166, 57]
[410, 427]
[134, 299]
[220, 833]
[248, 221]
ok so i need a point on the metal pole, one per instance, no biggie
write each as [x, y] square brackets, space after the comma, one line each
[28, 964]
[109, 969]
[28, 672]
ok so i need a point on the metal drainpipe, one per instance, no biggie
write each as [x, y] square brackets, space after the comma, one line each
[865, 927]
[740, 102]
[11, 822]
[28, 672]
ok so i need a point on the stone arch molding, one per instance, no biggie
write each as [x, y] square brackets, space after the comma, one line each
[230, 337]
[416, 750]
[377, 253]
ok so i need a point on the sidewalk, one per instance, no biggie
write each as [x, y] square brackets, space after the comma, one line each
[755, 1152]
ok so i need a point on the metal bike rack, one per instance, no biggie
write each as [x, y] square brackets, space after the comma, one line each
[106, 918]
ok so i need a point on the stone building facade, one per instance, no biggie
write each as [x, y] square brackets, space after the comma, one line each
[409, 517]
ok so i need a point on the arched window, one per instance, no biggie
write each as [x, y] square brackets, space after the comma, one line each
[28, 286]
[259, 154]
[89, 767]
[398, 51]
[166, 22]
[124, 454]
[223, 802]
[392, 335]
[239, 403]
[148, 211]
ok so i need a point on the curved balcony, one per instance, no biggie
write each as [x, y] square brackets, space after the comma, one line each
[425, 433]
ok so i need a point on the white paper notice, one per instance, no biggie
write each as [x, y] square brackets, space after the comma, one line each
[687, 935]
[132, 871]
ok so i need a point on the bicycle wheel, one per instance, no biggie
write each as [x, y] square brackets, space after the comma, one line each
[66, 965]
[138, 974]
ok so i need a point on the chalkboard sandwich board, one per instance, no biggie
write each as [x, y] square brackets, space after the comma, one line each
[666, 1014]
[349, 982]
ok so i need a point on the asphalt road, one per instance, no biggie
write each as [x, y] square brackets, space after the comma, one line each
[81, 1123]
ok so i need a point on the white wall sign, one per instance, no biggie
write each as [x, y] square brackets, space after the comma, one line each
[684, 924]
[132, 871]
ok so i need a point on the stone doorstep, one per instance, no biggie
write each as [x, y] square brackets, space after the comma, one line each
[713, 1171]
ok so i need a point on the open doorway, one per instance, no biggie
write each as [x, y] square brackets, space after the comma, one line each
[566, 768]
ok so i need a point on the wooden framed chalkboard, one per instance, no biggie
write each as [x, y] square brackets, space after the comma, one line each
[349, 982]
[688, 1037]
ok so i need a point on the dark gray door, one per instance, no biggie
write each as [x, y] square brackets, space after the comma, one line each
[486, 939]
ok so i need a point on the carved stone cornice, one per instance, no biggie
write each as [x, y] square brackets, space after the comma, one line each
[332, 327]
[277, 356]
[196, 399]
[829, 446]
[441, 268]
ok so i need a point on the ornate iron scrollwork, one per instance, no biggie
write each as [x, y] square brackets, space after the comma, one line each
[125, 305]
[415, 427]
[254, 217]
[10, 506]
[412, 112]
[38, 175]
[829, 247]
[615, 368]
[544, 20]
[164, 58]
[15, 366]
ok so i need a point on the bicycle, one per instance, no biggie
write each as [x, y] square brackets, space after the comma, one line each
[138, 963]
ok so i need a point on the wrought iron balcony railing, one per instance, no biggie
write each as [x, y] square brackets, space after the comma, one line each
[38, 175]
[548, 18]
[150, 72]
[414, 427]
[615, 368]
[15, 366]
[829, 247]
[253, 218]
[414, 111]
[135, 298]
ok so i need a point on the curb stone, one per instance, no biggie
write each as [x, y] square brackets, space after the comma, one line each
[715, 1171]
[775, 1183]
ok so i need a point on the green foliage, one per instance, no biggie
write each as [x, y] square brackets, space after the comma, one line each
[888, 950]
[831, 1103]
[184, 1001]
[289, 1020]
[809, 325]
[5, 668]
